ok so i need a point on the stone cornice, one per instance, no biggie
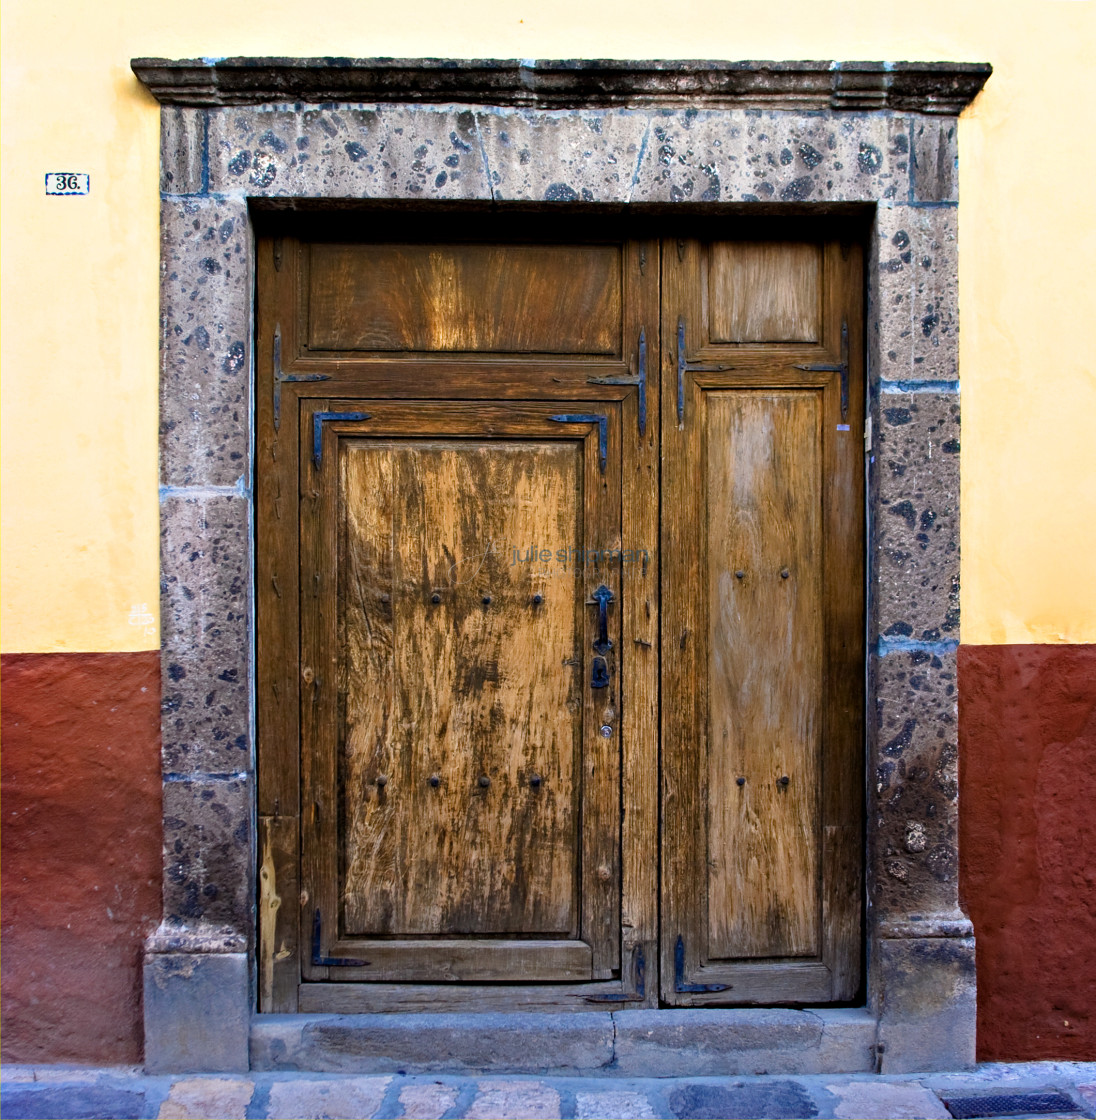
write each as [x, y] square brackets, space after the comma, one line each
[942, 88]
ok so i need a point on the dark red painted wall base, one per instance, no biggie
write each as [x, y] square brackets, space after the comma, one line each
[1027, 732]
[82, 834]
[81, 852]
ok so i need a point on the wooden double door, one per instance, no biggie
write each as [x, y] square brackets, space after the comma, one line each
[560, 615]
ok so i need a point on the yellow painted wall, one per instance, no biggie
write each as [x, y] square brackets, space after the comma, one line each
[79, 275]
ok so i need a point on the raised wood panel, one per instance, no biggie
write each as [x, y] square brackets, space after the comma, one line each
[764, 291]
[462, 716]
[762, 675]
[765, 671]
[402, 686]
[465, 298]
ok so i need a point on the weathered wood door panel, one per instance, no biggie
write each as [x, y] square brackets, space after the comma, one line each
[476, 298]
[454, 439]
[762, 623]
[453, 747]
[462, 711]
[461, 677]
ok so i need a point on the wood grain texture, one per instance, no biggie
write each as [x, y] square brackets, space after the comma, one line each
[459, 692]
[355, 999]
[785, 859]
[765, 671]
[639, 614]
[553, 299]
[279, 890]
[461, 960]
[843, 713]
[618, 929]
[277, 665]
[449, 402]
[684, 711]
[402, 687]
[764, 291]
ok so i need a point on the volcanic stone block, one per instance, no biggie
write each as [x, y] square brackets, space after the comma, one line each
[913, 306]
[205, 318]
[205, 632]
[915, 475]
[208, 852]
[347, 151]
[913, 817]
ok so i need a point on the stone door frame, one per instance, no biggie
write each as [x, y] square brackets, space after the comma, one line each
[785, 138]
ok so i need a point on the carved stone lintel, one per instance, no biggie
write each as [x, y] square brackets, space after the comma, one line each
[923, 87]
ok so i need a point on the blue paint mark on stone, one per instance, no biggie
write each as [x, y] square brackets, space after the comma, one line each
[889, 645]
[918, 386]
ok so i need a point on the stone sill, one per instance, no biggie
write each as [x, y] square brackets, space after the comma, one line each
[645, 1043]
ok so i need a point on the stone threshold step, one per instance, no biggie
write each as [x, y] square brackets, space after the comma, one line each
[645, 1043]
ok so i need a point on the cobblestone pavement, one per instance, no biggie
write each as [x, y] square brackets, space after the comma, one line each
[69, 1092]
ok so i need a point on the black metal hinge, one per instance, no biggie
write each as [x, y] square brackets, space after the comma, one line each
[602, 423]
[681, 371]
[638, 996]
[684, 366]
[321, 961]
[679, 974]
[640, 381]
[318, 419]
[841, 367]
[280, 378]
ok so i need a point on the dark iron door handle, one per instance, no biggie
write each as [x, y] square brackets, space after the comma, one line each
[603, 597]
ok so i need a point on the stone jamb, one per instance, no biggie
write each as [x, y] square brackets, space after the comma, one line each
[898, 155]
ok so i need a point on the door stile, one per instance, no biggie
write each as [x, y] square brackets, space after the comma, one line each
[277, 665]
[318, 677]
[844, 471]
[640, 638]
[684, 696]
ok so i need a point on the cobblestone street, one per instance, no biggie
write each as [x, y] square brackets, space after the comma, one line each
[63, 1093]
